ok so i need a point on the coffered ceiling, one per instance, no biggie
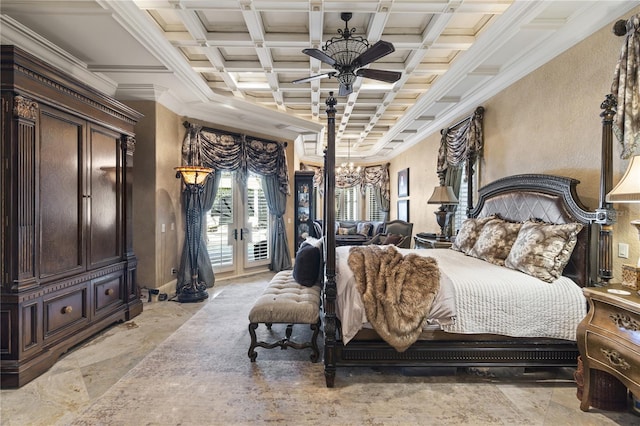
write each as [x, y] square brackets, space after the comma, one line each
[232, 62]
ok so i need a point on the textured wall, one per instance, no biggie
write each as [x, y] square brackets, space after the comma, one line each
[156, 193]
[547, 122]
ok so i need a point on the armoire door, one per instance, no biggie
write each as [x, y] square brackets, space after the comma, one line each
[62, 194]
[105, 208]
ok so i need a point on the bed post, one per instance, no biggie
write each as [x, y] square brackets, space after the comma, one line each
[605, 214]
[330, 291]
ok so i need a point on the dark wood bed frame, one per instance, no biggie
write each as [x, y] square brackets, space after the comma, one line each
[520, 197]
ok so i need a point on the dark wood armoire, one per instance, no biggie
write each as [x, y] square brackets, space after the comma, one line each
[68, 267]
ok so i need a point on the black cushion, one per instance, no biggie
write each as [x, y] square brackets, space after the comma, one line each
[306, 266]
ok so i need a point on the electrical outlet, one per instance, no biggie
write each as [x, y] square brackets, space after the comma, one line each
[623, 250]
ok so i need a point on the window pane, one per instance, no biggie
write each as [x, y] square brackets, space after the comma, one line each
[220, 224]
[257, 214]
[374, 213]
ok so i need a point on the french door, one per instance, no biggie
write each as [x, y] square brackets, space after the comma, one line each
[238, 226]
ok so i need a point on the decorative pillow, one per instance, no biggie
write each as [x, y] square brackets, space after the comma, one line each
[543, 250]
[306, 266]
[495, 241]
[347, 231]
[469, 232]
[364, 228]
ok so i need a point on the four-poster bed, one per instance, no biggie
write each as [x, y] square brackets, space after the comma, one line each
[517, 198]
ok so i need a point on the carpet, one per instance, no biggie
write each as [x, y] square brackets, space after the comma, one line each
[201, 375]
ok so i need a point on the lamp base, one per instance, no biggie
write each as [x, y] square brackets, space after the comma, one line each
[191, 293]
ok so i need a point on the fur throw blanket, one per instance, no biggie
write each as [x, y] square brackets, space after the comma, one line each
[397, 291]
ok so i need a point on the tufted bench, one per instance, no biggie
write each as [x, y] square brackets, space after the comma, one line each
[284, 301]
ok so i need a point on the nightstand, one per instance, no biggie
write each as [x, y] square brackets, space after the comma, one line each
[430, 243]
[608, 339]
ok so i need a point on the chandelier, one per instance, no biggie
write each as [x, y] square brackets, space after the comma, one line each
[347, 172]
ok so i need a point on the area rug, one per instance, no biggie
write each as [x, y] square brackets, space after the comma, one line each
[201, 375]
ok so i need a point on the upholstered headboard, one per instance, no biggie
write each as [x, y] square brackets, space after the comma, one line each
[549, 198]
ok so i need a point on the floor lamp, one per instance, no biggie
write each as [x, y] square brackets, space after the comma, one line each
[194, 178]
[628, 191]
[444, 196]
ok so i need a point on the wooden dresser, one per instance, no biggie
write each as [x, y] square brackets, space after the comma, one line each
[68, 267]
[609, 339]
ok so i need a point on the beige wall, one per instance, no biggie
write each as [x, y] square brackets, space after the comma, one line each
[156, 193]
[547, 122]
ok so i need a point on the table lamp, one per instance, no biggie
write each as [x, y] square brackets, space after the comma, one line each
[628, 191]
[444, 196]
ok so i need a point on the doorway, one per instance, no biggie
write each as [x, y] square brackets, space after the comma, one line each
[238, 227]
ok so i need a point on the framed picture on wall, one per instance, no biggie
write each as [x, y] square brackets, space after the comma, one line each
[403, 210]
[403, 183]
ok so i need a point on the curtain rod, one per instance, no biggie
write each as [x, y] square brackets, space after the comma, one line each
[186, 124]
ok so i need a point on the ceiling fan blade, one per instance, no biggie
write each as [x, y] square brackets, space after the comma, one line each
[314, 77]
[345, 89]
[382, 75]
[375, 52]
[320, 55]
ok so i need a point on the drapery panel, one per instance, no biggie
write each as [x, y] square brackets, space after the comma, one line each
[626, 89]
[277, 203]
[460, 144]
[225, 151]
[205, 270]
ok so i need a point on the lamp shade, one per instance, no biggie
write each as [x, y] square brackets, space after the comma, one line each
[443, 195]
[194, 174]
[628, 189]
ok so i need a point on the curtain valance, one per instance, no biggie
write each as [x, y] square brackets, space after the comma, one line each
[461, 142]
[226, 151]
[376, 176]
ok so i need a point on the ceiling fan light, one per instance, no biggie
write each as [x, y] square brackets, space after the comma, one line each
[344, 51]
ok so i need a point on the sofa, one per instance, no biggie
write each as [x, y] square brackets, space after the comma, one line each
[352, 232]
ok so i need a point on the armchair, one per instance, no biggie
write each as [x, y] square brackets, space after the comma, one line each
[394, 227]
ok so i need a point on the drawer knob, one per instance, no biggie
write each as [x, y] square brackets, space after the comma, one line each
[67, 309]
[615, 359]
[108, 292]
[625, 321]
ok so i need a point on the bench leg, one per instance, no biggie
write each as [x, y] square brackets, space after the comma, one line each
[252, 331]
[314, 342]
[286, 342]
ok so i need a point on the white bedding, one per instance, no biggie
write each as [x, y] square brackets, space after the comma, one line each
[488, 299]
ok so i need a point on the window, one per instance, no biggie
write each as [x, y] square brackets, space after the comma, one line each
[374, 213]
[348, 203]
[461, 209]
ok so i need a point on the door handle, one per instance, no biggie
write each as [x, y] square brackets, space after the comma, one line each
[241, 233]
[235, 234]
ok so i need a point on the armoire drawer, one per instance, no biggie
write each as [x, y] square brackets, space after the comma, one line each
[66, 311]
[108, 292]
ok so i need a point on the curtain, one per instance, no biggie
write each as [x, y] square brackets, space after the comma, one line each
[277, 203]
[205, 270]
[626, 89]
[460, 143]
[375, 176]
[224, 151]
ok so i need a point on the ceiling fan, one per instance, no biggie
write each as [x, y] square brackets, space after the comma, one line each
[347, 54]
